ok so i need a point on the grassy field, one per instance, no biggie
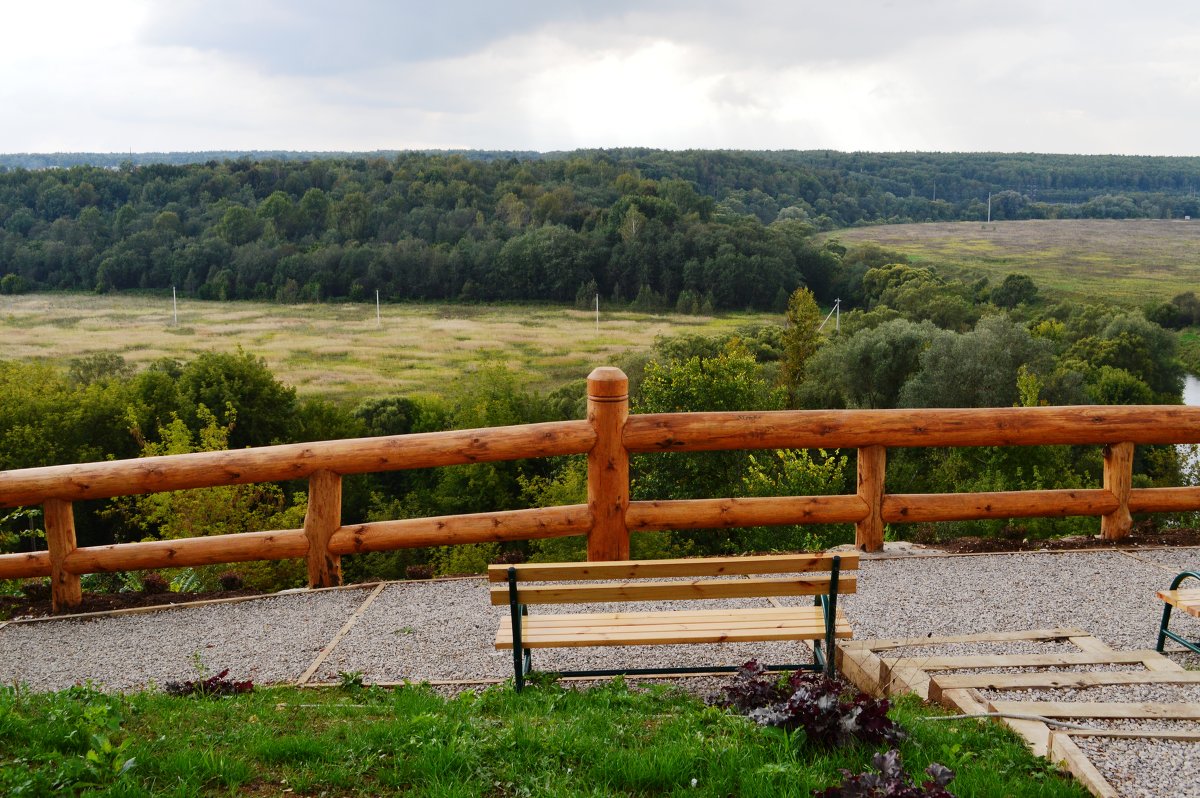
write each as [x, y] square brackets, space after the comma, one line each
[338, 351]
[1131, 262]
[610, 740]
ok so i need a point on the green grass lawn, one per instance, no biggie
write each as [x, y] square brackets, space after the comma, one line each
[1129, 261]
[338, 350]
[546, 741]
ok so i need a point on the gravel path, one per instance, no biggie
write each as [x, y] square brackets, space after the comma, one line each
[443, 630]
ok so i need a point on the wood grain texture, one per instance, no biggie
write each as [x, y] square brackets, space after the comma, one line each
[24, 565]
[1186, 600]
[448, 530]
[1163, 500]
[1058, 679]
[872, 470]
[925, 507]
[657, 569]
[321, 520]
[275, 545]
[1019, 660]
[1118, 480]
[1097, 709]
[671, 591]
[850, 429]
[65, 589]
[608, 465]
[542, 631]
[648, 516]
[293, 461]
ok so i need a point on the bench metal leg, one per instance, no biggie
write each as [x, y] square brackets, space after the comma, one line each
[1163, 632]
[522, 657]
[829, 605]
[1162, 628]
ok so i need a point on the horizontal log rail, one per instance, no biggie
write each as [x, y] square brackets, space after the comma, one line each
[925, 427]
[608, 437]
[292, 461]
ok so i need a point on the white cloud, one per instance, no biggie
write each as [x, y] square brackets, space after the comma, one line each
[366, 74]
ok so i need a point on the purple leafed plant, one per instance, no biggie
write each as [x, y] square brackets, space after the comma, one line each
[889, 780]
[212, 686]
[829, 711]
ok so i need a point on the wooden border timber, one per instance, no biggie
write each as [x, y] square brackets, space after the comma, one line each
[345, 630]
[864, 663]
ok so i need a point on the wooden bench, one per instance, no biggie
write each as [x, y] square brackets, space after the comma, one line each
[1186, 600]
[633, 580]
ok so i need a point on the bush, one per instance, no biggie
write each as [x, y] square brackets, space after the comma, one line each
[418, 572]
[231, 580]
[467, 558]
[154, 582]
[890, 781]
[36, 589]
[829, 711]
[512, 557]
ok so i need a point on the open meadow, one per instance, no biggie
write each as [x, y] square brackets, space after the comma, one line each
[1128, 261]
[339, 351]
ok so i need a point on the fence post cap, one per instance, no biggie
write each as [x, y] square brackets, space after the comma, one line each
[607, 382]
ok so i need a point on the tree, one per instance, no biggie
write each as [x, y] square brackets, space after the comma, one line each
[239, 225]
[801, 338]
[1015, 290]
[728, 381]
[976, 369]
[201, 512]
[242, 394]
[868, 368]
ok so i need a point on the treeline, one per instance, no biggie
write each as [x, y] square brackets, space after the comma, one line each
[917, 340]
[691, 231]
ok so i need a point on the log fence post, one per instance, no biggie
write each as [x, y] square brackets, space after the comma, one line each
[1118, 480]
[65, 589]
[872, 467]
[608, 465]
[321, 520]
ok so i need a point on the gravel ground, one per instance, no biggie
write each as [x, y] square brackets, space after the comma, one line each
[267, 640]
[443, 630]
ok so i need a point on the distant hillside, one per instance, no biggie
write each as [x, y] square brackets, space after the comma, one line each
[690, 231]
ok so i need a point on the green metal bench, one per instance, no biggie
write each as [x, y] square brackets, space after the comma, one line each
[1186, 600]
[629, 580]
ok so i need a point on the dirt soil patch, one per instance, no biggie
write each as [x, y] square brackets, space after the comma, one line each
[1142, 536]
[12, 607]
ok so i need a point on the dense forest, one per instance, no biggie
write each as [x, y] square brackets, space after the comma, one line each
[691, 231]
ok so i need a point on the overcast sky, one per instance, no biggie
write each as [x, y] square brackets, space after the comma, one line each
[1023, 75]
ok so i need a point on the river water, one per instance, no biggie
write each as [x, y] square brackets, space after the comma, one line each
[1191, 391]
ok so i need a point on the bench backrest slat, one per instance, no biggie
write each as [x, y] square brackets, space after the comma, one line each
[659, 569]
[672, 591]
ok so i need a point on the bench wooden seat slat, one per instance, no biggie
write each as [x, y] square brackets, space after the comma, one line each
[685, 580]
[672, 591]
[1186, 600]
[659, 569]
[632, 631]
[582, 618]
[538, 624]
[634, 636]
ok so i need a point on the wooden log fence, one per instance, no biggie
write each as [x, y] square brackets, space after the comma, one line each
[608, 437]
